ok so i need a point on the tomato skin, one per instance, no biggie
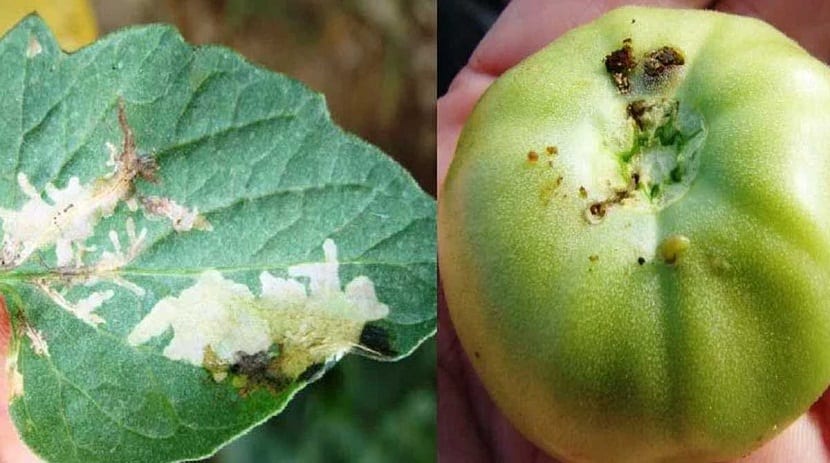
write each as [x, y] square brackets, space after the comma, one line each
[667, 305]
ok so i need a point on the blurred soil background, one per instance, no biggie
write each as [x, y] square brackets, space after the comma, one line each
[375, 61]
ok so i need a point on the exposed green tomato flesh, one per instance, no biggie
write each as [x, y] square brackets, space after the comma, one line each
[657, 289]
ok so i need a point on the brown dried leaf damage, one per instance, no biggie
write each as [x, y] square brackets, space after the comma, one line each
[132, 163]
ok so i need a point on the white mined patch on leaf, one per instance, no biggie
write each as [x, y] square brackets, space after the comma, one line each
[38, 341]
[182, 218]
[309, 325]
[14, 379]
[202, 316]
[106, 268]
[111, 261]
[34, 48]
[84, 308]
[68, 215]
[114, 155]
[357, 302]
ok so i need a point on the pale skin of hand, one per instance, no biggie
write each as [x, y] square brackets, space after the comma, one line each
[12, 449]
[470, 427]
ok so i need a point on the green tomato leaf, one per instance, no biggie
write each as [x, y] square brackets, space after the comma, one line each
[188, 240]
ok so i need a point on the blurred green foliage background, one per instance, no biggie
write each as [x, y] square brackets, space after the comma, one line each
[375, 62]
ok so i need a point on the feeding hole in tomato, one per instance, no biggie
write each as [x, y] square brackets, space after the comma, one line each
[662, 160]
[597, 210]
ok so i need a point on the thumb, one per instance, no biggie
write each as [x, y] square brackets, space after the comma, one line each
[5, 328]
[11, 448]
[806, 439]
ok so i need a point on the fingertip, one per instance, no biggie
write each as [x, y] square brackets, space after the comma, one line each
[453, 110]
[804, 21]
[526, 26]
[11, 447]
[5, 327]
[821, 413]
[801, 441]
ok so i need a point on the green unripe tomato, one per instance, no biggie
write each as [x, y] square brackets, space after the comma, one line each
[635, 238]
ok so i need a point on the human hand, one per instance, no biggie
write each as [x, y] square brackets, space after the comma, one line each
[471, 428]
[12, 449]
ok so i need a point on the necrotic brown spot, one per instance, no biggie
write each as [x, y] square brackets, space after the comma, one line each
[598, 209]
[251, 364]
[659, 61]
[621, 60]
[619, 65]
[636, 110]
[532, 156]
[260, 370]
